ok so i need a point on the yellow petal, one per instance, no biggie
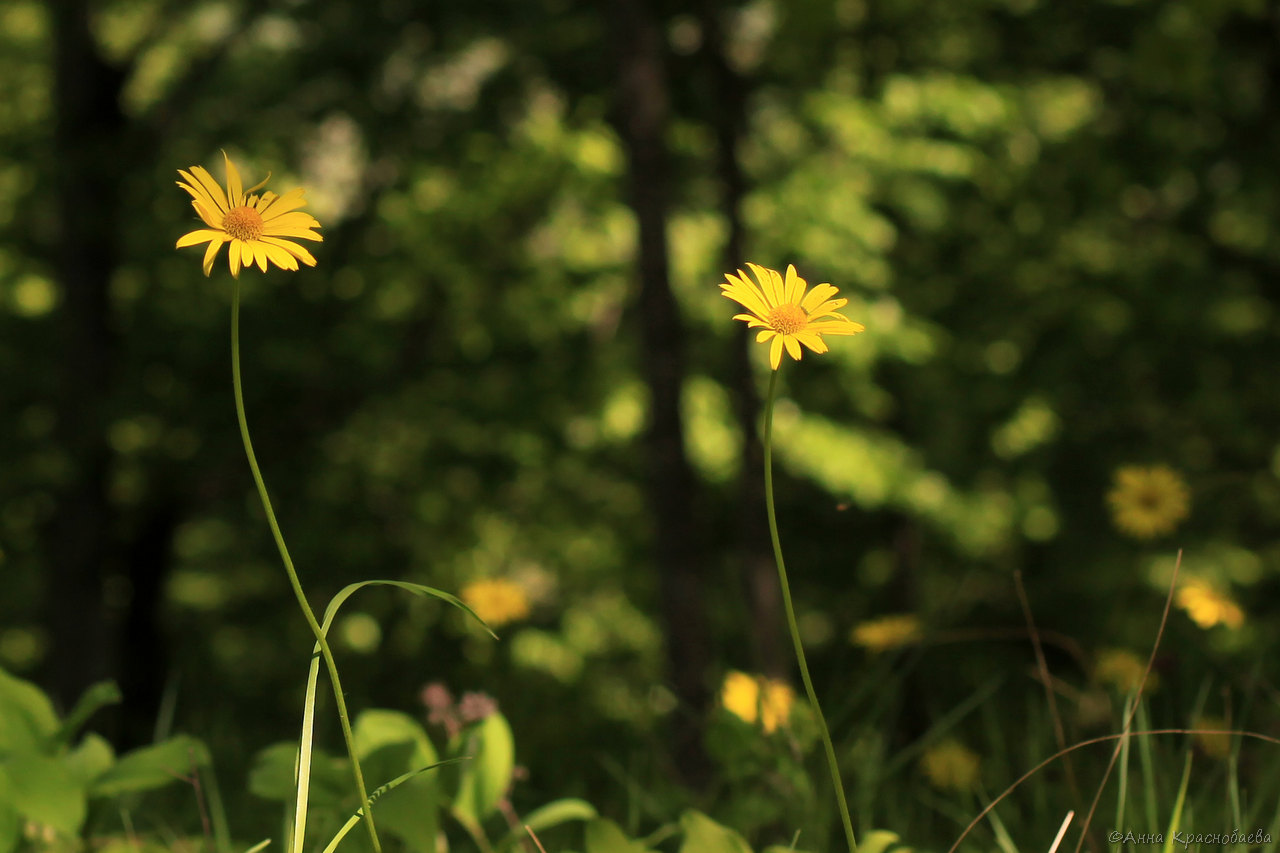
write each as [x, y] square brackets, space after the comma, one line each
[280, 257]
[764, 335]
[815, 297]
[771, 297]
[235, 189]
[207, 215]
[775, 352]
[260, 255]
[836, 327]
[212, 252]
[212, 187]
[794, 286]
[233, 254]
[292, 248]
[282, 203]
[293, 219]
[812, 341]
[201, 235]
[196, 189]
[793, 348]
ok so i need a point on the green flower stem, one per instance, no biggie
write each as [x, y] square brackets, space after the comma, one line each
[791, 614]
[325, 651]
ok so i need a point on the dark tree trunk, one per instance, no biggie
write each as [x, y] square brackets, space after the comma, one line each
[759, 573]
[88, 124]
[642, 117]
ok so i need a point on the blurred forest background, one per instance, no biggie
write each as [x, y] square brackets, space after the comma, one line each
[1056, 220]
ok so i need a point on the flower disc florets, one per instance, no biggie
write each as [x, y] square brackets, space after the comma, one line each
[243, 223]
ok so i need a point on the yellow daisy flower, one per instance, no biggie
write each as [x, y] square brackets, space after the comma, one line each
[496, 600]
[951, 766]
[1148, 502]
[887, 632]
[255, 226]
[754, 697]
[785, 314]
[1208, 606]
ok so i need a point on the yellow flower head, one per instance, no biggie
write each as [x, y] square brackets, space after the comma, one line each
[1207, 605]
[785, 314]
[496, 600]
[754, 697]
[951, 766]
[255, 226]
[887, 632]
[1148, 502]
[1122, 669]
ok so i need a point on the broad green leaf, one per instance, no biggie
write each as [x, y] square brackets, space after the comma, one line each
[10, 826]
[604, 836]
[44, 789]
[152, 767]
[881, 841]
[704, 835]
[389, 744]
[272, 775]
[27, 720]
[552, 814]
[487, 774]
[93, 757]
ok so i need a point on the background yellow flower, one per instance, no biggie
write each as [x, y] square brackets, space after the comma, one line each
[1207, 605]
[496, 600]
[756, 698]
[951, 766]
[1122, 669]
[887, 632]
[1148, 502]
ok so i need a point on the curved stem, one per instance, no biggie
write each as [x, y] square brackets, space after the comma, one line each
[325, 651]
[791, 615]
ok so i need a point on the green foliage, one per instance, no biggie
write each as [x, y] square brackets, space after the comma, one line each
[46, 781]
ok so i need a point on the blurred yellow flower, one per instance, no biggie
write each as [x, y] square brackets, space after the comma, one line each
[887, 632]
[755, 697]
[1122, 669]
[951, 766]
[1148, 502]
[1207, 605]
[496, 600]
[255, 226]
[784, 313]
[1212, 740]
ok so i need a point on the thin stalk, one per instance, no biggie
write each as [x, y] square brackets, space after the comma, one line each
[791, 615]
[325, 651]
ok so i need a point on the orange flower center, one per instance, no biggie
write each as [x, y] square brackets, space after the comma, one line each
[243, 223]
[788, 319]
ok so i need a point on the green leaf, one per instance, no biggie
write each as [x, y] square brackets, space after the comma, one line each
[44, 789]
[604, 836]
[704, 835]
[272, 775]
[881, 841]
[487, 774]
[390, 743]
[152, 767]
[552, 814]
[27, 720]
[10, 827]
[98, 696]
[93, 757]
